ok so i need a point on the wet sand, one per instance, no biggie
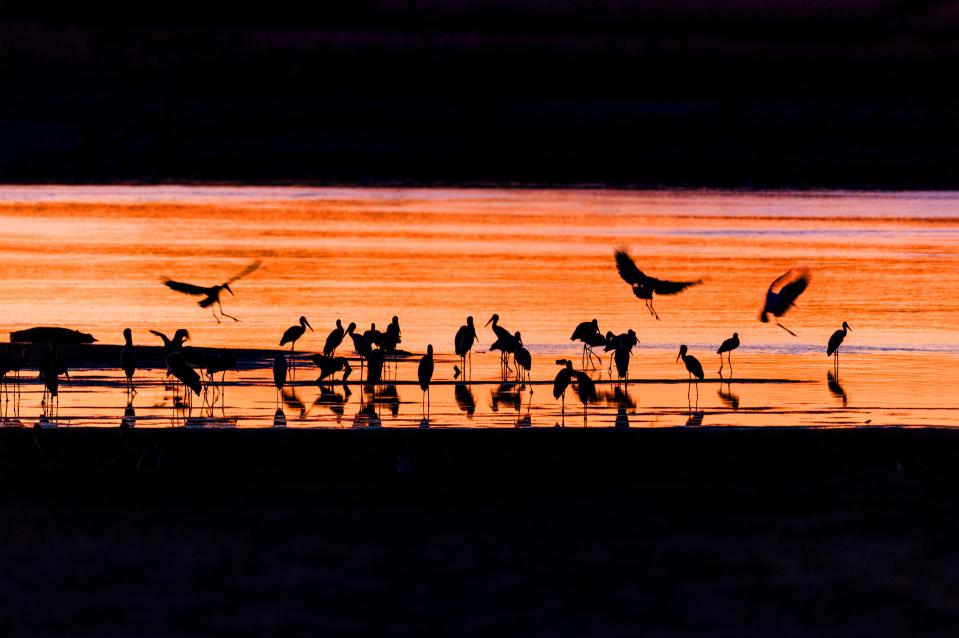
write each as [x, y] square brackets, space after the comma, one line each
[720, 532]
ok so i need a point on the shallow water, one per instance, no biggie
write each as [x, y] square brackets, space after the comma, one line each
[91, 257]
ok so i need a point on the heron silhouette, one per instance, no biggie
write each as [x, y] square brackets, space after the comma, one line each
[782, 294]
[211, 294]
[835, 341]
[329, 366]
[728, 346]
[290, 336]
[334, 339]
[424, 373]
[693, 367]
[503, 336]
[463, 343]
[177, 366]
[128, 359]
[586, 332]
[644, 286]
[585, 387]
[524, 361]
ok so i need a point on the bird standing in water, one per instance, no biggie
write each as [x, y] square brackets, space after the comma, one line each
[291, 335]
[334, 339]
[463, 343]
[178, 367]
[503, 337]
[586, 332]
[524, 361]
[210, 294]
[782, 295]
[128, 359]
[693, 367]
[393, 335]
[176, 343]
[645, 286]
[424, 373]
[728, 346]
[832, 348]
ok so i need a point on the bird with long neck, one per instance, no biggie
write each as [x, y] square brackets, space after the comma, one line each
[832, 348]
[727, 346]
[334, 339]
[290, 336]
[210, 294]
[693, 367]
[424, 374]
[463, 342]
[128, 359]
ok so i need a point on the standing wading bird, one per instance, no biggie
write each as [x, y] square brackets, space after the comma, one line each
[728, 346]
[524, 361]
[782, 294]
[645, 286]
[585, 387]
[128, 359]
[329, 366]
[693, 367]
[501, 334]
[621, 355]
[176, 343]
[582, 333]
[210, 294]
[562, 380]
[334, 339]
[50, 369]
[463, 342]
[393, 336]
[424, 373]
[291, 335]
[832, 349]
[178, 367]
[506, 344]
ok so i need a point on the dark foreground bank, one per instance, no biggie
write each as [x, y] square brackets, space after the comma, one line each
[531, 532]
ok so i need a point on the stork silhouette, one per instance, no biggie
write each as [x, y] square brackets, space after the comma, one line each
[210, 294]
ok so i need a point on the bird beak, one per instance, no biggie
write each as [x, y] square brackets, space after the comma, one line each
[848, 327]
[677, 357]
[488, 322]
[227, 286]
[309, 326]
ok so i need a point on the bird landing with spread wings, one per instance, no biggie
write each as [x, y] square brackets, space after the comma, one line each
[645, 286]
[211, 294]
[782, 294]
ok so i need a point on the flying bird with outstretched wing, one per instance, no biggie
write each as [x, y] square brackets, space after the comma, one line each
[645, 286]
[211, 294]
[782, 294]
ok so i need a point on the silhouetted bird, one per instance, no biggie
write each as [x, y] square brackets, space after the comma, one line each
[279, 370]
[832, 349]
[507, 345]
[583, 332]
[645, 286]
[128, 359]
[292, 334]
[219, 364]
[179, 368]
[503, 337]
[361, 345]
[373, 336]
[621, 356]
[50, 369]
[561, 382]
[334, 339]
[693, 366]
[627, 340]
[424, 373]
[524, 360]
[331, 365]
[728, 346]
[374, 367]
[782, 295]
[585, 390]
[175, 344]
[393, 336]
[210, 294]
[464, 340]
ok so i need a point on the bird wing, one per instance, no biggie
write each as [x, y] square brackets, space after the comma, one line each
[664, 287]
[246, 271]
[786, 289]
[188, 289]
[627, 267]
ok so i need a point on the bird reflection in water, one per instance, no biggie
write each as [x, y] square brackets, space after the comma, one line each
[279, 418]
[835, 387]
[622, 419]
[367, 417]
[335, 401]
[389, 397]
[293, 402]
[465, 399]
[695, 418]
[728, 397]
[506, 394]
[129, 413]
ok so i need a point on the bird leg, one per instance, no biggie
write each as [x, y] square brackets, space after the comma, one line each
[224, 314]
[786, 329]
[730, 356]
